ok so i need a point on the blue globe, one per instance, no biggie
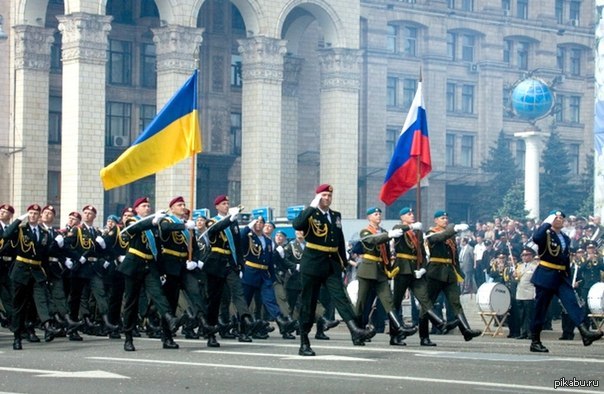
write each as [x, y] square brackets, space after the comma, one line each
[532, 99]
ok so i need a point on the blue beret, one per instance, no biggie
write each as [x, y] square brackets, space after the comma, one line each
[114, 218]
[440, 213]
[557, 212]
[373, 210]
[405, 211]
[281, 232]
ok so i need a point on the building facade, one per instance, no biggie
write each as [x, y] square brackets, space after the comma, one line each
[292, 94]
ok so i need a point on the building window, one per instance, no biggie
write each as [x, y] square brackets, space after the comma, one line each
[120, 62]
[574, 11]
[467, 5]
[575, 62]
[118, 121]
[236, 133]
[522, 9]
[53, 191]
[507, 101]
[516, 53]
[450, 97]
[410, 41]
[451, 45]
[520, 153]
[574, 109]
[559, 11]
[236, 79]
[391, 139]
[148, 69]
[467, 151]
[560, 58]
[451, 4]
[54, 119]
[409, 88]
[391, 86]
[147, 113]
[506, 6]
[573, 158]
[122, 11]
[522, 55]
[467, 48]
[391, 38]
[467, 99]
[237, 22]
[559, 109]
[450, 150]
[149, 9]
[55, 54]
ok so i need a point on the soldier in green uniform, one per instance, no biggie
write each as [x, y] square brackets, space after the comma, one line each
[443, 272]
[375, 270]
[411, 263]
[32, 243]
[322, 263]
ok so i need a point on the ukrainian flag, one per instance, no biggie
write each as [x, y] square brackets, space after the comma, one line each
[173, 135]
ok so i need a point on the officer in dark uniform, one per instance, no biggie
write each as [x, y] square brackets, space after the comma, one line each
[411, 263]
[113, 279]
[443, 272]
[32, 244]
[6, 262]
[140, 268]
[323, 261]
[552, 277]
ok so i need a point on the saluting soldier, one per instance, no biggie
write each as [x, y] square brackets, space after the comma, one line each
[553, 277]
[322, 263]
[32, 243]
[443, 272]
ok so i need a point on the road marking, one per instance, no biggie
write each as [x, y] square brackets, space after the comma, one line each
[329, 357]
[346, 374]
[96, 374]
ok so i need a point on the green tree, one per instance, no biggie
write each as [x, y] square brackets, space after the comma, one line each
[503, 172]
[513, 203]
[555, 192]
[586, 190]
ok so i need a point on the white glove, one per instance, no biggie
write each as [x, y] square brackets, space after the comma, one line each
[315, 201]
[157, 216]
[106, 264]
[461, 227]
[121, 258]
[234, 213]
[60, 240]
[82, 260]
[420, 272]
[23, 217]
[281, 251]
[162, 280]
[417, 226]
[99, 240]
[298, 267]
[395, 233]
[200, 264]
[240, 274]
[252, 224]
[550, 219]
[68, 263]
[191, 265]
[190, 225]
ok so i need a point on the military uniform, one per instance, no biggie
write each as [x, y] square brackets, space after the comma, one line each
[291, 263]
[7, 256]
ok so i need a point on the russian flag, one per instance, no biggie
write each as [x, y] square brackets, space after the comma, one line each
[411, 158]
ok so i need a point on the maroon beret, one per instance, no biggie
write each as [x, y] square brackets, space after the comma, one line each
[324, 188]
[50, 208]
[76, 215]
[221, 198]
[34, 207]
[175, 200]
[8, 207]
[139, 201]
[90, 208]
[127, 209]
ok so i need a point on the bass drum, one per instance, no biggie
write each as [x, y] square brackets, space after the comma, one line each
[595, 299]
[353, 291]
[493, 298]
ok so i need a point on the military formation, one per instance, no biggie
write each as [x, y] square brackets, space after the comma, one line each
[153, 272]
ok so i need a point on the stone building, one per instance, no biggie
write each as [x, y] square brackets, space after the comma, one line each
[292, 93]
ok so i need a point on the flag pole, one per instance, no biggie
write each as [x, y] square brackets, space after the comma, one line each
[193, 168]
[418, 191]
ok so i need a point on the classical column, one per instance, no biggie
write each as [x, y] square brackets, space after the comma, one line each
[599, 112]
[176, 47]
[84, 56]
[289, 127]
[339, 126]
[262, 146]
[533, 141]
[29, 134]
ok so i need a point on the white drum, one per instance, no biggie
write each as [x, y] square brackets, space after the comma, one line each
[353, 291]
[494, 298]
[595, 298]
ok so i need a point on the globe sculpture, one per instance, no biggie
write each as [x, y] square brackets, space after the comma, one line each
[532, 99]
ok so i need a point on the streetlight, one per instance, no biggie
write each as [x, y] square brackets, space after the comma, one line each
[3, 35]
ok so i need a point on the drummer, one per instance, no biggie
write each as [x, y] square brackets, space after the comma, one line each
[552, 277]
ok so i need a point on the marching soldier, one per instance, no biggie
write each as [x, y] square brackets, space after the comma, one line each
[322, 263]
[6, 262]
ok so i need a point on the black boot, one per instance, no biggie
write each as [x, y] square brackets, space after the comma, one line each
[49, 331]
[246, 326]
[108, 325]
[173, 322]
[359, 336]
[536, 345]
[168, 341]
[71, 324]
[205, 328]
[31, 334]
[17, 342]
[424, 332]
[212, 342]
[587, 336]
[285, 326]
[465, 329]
[396, 326]
[439, 324]
[321, 328]
[224, 329]
[305, 349]
[128, 343]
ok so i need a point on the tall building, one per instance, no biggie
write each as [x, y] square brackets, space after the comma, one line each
[292, 94]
